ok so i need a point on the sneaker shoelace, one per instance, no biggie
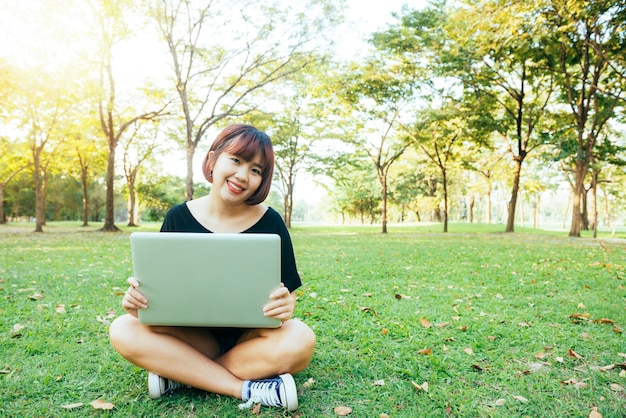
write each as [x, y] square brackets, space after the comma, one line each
[266, 392]
[170, 386]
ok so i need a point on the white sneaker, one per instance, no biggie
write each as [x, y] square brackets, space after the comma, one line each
[279, 391]
[159, 386]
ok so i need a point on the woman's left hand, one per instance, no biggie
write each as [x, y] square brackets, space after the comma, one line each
[282, 304]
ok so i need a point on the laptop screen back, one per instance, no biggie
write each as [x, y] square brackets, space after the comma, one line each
[213, 280]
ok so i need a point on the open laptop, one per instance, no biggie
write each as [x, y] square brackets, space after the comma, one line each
[212, 280]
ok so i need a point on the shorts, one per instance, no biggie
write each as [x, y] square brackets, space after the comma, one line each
[227, 338]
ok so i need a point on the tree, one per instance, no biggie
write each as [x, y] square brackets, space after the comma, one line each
[138, 148]
[12, 162]
[215, 80]
[111, 29]
[504, 58]
[589, 36]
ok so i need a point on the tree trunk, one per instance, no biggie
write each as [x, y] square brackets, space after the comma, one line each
[579, 187]
[510, 222]
[3, 219]
[39, 209]
[383, 182]
[132, 206]
[444, 178]
[109, 211]
[83, 180]
[471, 210]
[191, 150]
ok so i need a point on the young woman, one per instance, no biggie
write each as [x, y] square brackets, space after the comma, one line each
[254, 365]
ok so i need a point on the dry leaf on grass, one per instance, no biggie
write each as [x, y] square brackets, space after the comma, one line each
[60, 309]
[343, 411]
[575, 383]
[520, 398]
[368, 309]
[380, 382]
[574, 354]
[73, 405]
[100, 404]
[469, 351]
[616, 388]
[256, 409]
[308, 383]
[425, 323]
[423, 386]
[594, 413]
[500, 402]
[35, 296]
[425, 351]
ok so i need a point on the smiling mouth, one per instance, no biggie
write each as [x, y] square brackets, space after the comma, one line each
[234, 187]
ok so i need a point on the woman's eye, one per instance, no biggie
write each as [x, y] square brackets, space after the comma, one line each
[236, 160]
[256, 171]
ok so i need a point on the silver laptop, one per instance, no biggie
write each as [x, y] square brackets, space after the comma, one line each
[212, 280]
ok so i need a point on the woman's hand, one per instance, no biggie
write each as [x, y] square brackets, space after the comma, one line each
[282, 304]
[134, 299]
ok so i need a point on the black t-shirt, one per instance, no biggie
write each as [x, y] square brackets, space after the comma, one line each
[180, 219]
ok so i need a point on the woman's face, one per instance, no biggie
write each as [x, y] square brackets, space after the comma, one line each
[235, 178]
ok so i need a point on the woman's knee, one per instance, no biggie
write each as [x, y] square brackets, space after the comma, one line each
[298, 345]
[122, 334]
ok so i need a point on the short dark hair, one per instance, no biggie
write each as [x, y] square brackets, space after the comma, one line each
[245, 141]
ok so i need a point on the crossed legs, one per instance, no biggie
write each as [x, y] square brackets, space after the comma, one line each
[192, 355]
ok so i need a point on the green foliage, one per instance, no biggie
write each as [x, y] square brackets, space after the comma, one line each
[508, 298]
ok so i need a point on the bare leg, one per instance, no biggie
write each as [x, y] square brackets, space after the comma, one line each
[191, 356]
[268, 352]
[172, 357]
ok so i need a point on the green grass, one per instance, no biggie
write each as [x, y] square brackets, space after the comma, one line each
[507, 297]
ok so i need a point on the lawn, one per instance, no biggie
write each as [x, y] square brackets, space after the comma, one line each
[473, 323]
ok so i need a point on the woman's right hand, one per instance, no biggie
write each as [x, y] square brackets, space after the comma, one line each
[134, 299]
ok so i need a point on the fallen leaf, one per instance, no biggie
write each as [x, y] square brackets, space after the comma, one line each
[308, 383]
[383, 415]
[585, 336]
[520, 398]
[581, 306]
[343, 411]
[594, 413]
[423, 386]
[384, 331]
[463, 327]
[469, 351]
[73, 405]
[17, 328]
[604, 321]
[313, 295]
[617, 330]
[368, 309]
[35, 296]
[401, 296]
[60, 309]
[500, 402]
[491, 338]
[425, 323]
[425, 351]
[580, 317]
[442, 325]
[524, 324]
[480, 368]
[100, 404]
[499, 296]
[616, 388]
[541, 355]
[380, 382]
[574, 354]
[559, 359]
[256, 409]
